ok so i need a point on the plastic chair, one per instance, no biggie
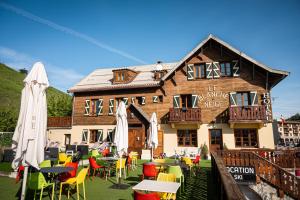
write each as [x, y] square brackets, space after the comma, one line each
[149, 171]
[76, 181]
[95, 153]
[188, 162]
[37, 181]
[167, 178]
[105, 152]
[178, 173]
[160, 168]
[197, 160]
[122, 166]
[146, 196]
[63, 177]
[62, 157]
[95, 167]
[128, 164]
[134, 157]
[45, 163]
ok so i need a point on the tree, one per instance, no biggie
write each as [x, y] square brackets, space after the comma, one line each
[8, 121]
[295, 117]
[59, 105]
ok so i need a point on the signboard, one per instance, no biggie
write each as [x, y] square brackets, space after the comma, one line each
[242, 174]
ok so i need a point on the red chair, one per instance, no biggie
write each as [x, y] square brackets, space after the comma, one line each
[94, 166]
[105, 152]
[20, 173]
[149, 171]
[71, 174]
[197, 160]
[148, 196]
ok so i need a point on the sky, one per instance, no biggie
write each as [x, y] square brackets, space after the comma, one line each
[73, 38]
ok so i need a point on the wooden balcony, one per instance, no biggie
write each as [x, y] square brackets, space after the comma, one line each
[186, 115]
[247, 114]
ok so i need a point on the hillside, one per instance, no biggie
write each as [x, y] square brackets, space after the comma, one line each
[11, 85]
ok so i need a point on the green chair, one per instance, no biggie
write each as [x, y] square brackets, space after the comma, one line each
[178, 173]
[37, 182]
[95, 153]
[45, 163]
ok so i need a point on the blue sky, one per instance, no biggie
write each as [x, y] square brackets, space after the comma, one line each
[72, 38]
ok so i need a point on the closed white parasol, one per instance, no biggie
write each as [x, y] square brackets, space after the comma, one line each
[152, 137]
[29, 139]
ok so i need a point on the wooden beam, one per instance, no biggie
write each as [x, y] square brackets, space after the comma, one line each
[253, 71]
[267, 81]
[221, 50]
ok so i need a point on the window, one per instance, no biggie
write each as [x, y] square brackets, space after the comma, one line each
[186, 101]
[242, 98]
[157, 99]
[200, 71]
[111, 107]
[141, 100]
[96, 135]
[120, 76]
[245, 138]
[87, 107]
[226, 69]
[67, 139]
[187, 138]
[84, 135]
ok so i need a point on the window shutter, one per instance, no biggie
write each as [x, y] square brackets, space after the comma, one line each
[232, 96]
[176, 101]
[216, 69]
[190, 72]
[235, 68]
[155, 99]
[194, 101]
[99, 108]
[209, 73]
[125, 101]
[87, 107]
[84, 135]
[253, 98]
[100, 135]
[111, 107]
[143, 100]
[132, 100]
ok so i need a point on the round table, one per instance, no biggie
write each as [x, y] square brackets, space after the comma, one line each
[56, 170]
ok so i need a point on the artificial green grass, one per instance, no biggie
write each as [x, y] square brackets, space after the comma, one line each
[5, 167]
[199, 186]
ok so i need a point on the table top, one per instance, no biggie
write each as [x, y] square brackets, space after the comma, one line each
[58, 169]
[109, 158]
[157, 186]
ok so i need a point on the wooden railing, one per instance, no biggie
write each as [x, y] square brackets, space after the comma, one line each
[226, 185]
[247, 113]
[272, 173]
[185, 114]
[59, 122]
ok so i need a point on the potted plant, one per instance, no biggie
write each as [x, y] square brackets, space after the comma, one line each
[204, 152]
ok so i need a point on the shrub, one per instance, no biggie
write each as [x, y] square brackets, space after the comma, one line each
[204, 151]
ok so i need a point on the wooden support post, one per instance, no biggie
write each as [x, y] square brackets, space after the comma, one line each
[253, 71]
[267, 81]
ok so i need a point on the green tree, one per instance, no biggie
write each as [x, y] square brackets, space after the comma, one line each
[59, 105]
[8, 121]
[295, 117]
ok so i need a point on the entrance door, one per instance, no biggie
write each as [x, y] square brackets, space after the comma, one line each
[160, 146]
[215, 139]
[136, 140]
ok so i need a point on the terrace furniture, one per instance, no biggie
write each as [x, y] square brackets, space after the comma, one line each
[76, 181]
[70, 174]
[8, 155]
[157, 186]
[149, 171]
[45, 163]
[120, 165]
[160, 168]
[62, 157]
[188, 162]
[167, 178]
[83, 149]
[197, 160]
[95, 167]
[105, 152]
[95, 153]
[178, 173]
[53, 152]
[37, 181]
[145, 196]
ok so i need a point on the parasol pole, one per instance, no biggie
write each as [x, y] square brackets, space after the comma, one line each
[24, 182]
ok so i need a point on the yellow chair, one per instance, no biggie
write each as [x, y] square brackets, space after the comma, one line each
[45, 163]
[68, 160]
[37, 181]
[76, 181]
[160, 168]
[134, 157]
[122, 166]
[95, 153]
[167, 178]
[189, 163]
[62, 157]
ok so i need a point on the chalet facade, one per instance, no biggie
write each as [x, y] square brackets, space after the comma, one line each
[216, 95]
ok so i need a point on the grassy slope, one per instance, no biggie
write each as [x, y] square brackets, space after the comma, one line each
[11, 85]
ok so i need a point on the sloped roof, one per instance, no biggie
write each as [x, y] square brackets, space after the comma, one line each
[190, 54]
[141, 111]
[100, 79]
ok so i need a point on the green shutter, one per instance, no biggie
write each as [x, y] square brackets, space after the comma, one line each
[209, 73]
[87, 107]
[194, 101]
[216, 69]
[125, 101]
[155, 99]
[190, 72]
[176, 101]
[232, 97]
[235, 68]
[111, 107]
[253, 98]
[143, 100]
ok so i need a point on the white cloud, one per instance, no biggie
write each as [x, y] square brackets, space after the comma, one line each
[61, 78]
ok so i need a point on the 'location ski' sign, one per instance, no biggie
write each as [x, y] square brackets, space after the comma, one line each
[242, 174]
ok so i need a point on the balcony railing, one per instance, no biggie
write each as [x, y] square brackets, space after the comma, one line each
[185, 115]
[247, 113]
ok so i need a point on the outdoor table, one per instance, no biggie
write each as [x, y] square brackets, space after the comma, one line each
[110, 161]
[157, 186]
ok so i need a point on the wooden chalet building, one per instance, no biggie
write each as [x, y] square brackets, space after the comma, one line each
[215, 95]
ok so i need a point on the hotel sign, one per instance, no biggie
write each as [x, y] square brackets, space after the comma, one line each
[214, 98]
[242, 174]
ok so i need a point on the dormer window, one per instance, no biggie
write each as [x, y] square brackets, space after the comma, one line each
[123, 75]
